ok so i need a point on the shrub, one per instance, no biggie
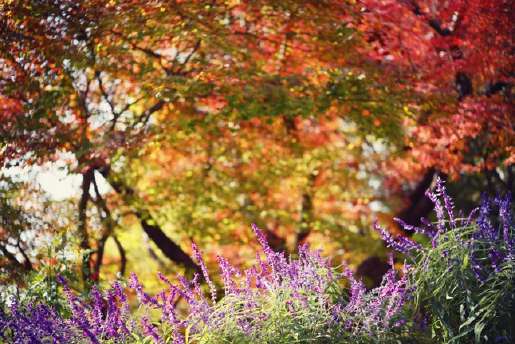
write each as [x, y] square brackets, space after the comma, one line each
[278, 300]
[464, 281]
[283, 300]
[458, 288]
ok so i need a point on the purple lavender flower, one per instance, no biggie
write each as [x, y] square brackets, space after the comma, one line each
[198, 257]
[494, 241]
[440, 214]
[271, 256]
[496, 257]
[427, 229]
[471, 216]
[34, 324]
[448, 204]
[79, 311]
[485, 228]
[357, 291]
[170, 315]
[187, 292]
[227, 272]
[505, 214]
[96, 312]
[143, 297]
[400, 243]
[150, 330]
[121, 308]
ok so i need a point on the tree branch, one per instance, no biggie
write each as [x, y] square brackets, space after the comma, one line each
[145, 116]
[82, 228]
[123, 256]
[169, 248]
[87, 178]
[13, 259]
[27, 263]
[306, 212]
[107, 221]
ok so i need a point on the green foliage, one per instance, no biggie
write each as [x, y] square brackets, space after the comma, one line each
[40, 285]
[376, 107]
[462, 308]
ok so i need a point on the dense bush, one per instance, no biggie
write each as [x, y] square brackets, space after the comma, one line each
[458, 288]
[465, 280]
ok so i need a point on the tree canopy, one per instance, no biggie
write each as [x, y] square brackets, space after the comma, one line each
[308, 118]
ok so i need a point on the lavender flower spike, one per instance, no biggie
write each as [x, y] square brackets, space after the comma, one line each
[264, 243]
[150, 330]
[400, 244]
[198, 257]
[447, 201]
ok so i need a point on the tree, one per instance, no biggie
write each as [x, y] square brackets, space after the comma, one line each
[456, 58]
[101, 79]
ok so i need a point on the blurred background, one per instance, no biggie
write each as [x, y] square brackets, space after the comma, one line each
[130, 129]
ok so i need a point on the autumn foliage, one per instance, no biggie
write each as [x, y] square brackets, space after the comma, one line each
[184, 121]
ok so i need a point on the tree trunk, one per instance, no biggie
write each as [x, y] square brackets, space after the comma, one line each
[87, 178]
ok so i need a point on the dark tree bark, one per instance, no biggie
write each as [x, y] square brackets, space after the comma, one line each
[169, 248]
[26, 260]
[87, 178]
[107, 221]
[306, 213]
[306, 216]
[463, 85]
[372, 270]
[420, 205]
[26, 265]
[99, 257]
[123, 256]
[497, 87]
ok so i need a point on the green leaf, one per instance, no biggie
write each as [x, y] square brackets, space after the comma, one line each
[477, 331]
